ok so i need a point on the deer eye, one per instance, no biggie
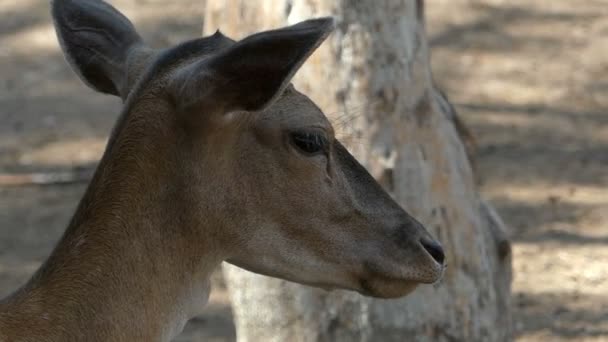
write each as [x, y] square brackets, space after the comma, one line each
[309, 142]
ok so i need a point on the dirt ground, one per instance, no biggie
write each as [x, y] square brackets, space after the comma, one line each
[528, 76]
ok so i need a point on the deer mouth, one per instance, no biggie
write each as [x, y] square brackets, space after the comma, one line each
[377, 286]
[386, 287]
[386, 280]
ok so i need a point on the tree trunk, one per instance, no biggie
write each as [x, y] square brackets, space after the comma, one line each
[373, 78]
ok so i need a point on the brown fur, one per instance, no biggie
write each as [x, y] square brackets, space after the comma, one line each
[189, 179]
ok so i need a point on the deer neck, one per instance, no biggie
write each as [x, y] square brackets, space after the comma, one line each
[129, 266]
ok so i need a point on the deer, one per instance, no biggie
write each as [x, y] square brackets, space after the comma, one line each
[215, 157]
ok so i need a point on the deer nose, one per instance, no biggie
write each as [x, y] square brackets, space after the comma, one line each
[434, 249]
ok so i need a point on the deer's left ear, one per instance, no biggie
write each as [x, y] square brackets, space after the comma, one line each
[100, 44]
[250, 74]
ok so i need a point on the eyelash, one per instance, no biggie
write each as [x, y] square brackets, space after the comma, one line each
[310, 143]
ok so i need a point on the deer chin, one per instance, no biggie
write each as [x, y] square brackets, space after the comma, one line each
[377, 287]
[386, 280]
[384, 287]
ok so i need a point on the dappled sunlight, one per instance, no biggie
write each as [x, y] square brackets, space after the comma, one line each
[65, 153]
[44, 104]
[561, 316]
[553, 271]
[541, 193]
[557, 125]
[10, 7]
[512, 91]
[29, 29]
[529, 79]
[39, 39]
[515, 52]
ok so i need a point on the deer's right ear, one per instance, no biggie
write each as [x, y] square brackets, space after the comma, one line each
[249, 74]
[97, 41]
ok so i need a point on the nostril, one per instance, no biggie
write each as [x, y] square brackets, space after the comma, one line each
[434, 249]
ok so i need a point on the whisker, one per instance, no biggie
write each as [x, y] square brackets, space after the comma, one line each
[345, 123]
[349, 114]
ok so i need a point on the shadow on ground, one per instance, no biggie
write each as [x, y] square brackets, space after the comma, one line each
[529, 79]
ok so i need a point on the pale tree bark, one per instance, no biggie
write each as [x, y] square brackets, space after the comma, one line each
[373, 78]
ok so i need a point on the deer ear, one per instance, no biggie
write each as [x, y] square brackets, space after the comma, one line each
[97, 41]
[251, 73]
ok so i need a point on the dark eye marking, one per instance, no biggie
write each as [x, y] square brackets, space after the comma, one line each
[310, 143]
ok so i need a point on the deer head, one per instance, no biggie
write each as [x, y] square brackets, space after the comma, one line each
[216, 141]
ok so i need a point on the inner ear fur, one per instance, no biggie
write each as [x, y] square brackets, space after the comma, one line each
[100, 44]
